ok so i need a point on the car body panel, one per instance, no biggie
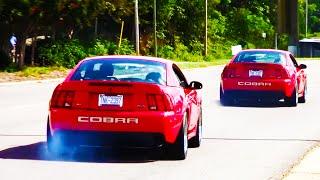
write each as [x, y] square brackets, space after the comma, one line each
[281, 78]
[84, 114]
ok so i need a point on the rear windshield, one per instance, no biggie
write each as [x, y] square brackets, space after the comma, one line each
[121, 70]
[260, 57]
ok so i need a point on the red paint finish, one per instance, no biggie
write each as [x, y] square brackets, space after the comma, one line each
[147, 107]
[264, 70]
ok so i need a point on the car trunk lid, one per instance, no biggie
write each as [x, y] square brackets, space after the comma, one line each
[111, 96]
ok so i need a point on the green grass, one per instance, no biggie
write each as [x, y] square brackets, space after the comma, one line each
[308, 59]
[202, 64]
[38, 71]
[42, 72]
[34, 71]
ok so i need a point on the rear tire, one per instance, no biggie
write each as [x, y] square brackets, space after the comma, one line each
[293, 100]
[49, 138]
[196, 140]
[224, 99]
[302, 99]
[55, 147]
[179, 149]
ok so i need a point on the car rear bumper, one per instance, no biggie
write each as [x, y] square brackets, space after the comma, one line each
[277, 88]
[66, 121]
[261, 95]
[109, 139]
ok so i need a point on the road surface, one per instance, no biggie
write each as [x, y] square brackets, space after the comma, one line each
[241, 142]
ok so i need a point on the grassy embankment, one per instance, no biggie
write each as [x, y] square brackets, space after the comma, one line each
[59, 72]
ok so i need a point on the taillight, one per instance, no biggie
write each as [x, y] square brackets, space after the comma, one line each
[276, 74]
[168, 103]
[229, 73]
[62, 99]
[152, 104]
[159, 102]
[279, 74]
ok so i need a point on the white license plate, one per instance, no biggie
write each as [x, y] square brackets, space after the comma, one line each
[255, 73]
[110, 100]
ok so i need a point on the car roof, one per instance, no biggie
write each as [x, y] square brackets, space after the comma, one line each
[128, 57]
[266, 50]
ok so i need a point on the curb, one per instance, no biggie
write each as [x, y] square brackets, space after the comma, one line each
[31, 81]
[295, 164]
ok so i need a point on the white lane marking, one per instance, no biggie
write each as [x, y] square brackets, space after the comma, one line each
[24, 106]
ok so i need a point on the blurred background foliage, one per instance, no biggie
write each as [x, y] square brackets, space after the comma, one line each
[68, 28]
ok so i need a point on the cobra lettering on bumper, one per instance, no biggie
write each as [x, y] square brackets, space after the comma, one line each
[257, 84]
[109, 120]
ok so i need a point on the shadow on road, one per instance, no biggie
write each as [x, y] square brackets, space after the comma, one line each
[261, 139]
[38, 151]
[254, 104]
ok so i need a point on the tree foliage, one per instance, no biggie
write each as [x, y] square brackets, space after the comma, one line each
[180, 24]
[313, 16]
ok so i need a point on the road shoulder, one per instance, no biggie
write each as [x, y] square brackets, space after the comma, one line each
[307, 167]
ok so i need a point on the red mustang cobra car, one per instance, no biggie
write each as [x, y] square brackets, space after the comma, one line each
[264, 75]
[125, 102]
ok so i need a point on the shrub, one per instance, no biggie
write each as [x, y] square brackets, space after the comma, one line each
[166, 51]
[101, 47]
[5, 60]
[63, 53]
[220, 49]
[180, 53]
[197, 47]
[126, 48]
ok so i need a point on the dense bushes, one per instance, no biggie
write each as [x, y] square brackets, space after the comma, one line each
[69, 53]
[100, 47]
[4, 60]
[62, 53]
[194, 53]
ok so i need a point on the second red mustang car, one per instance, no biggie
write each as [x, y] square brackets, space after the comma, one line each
[264, 75]
[125, 101]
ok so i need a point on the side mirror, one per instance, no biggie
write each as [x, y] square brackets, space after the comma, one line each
[195, 85]
[302, 66]
[184, 84]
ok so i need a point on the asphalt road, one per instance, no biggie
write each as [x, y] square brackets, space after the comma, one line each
[257, 142]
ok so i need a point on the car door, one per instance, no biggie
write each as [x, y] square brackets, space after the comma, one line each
[192, 98]
[300, 74]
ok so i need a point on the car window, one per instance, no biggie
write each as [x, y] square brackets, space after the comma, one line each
[295, 63]
[179, 75]
[121, 70]
[260, 57]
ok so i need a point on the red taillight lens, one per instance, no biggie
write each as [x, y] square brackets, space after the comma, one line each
[168, 103]
[276, 74]
[159, 102]
[152, 104]
[229, 73]
[62, 99]
[279, 74]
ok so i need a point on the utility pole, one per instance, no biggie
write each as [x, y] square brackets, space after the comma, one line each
[96, 27]
[276, 41]
[155, 27]
[137, 28]
[292, 14]
[307, 18]
[206, 41]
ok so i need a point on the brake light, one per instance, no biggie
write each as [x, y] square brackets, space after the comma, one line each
[62, 99]
[152, 104]
[229, 73]
[168, 103]
[279, 73]
[159, 102]
[276, 74]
